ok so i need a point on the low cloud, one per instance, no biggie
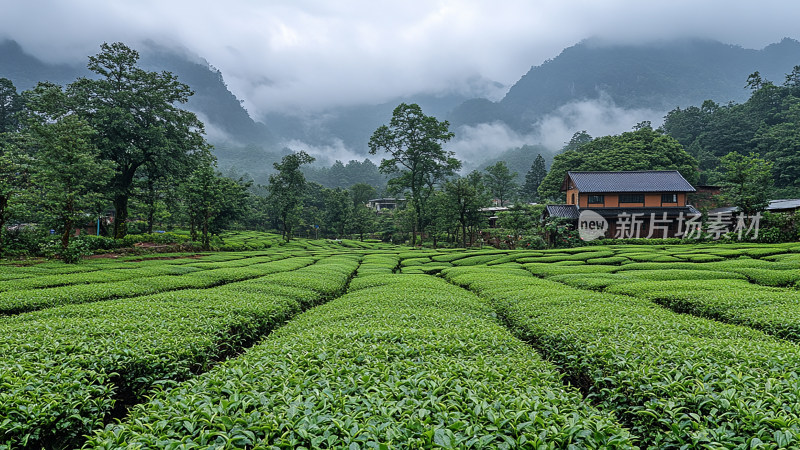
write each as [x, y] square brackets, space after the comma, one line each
[326, 155]
[599, 117]
[214, 133]
[475, 144]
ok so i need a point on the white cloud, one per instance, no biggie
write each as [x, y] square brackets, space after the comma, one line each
[290, 55]
[474, 144]
[325, 154]
[599, 117]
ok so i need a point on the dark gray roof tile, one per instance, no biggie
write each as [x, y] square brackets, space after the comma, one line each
[566, 211]
[631, 181]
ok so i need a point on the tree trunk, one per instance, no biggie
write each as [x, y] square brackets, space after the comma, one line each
[65, 236]
[150, 221]
[151, 204]
[122, 186]
[416, 228]
[286, 230]
[121, 216]
[3, 206]
[193, 227]
[68, 224]
[206, 240]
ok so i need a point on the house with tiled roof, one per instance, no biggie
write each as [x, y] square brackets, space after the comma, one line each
[655, 199]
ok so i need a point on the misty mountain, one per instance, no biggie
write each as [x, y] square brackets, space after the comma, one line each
[653, 76]
[354, 125]
[657, 76]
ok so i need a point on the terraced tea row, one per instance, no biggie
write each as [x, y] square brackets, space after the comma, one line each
[120, 271]
[772, 310]
[737, 291]
[401, 361]
[15, 302]
[678, 381]
[66, 370]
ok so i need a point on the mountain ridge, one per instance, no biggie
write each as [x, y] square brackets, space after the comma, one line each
[659, 75]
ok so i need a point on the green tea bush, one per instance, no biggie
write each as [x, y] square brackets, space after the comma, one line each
[772, 310]
[78, 361]
[414, 261]
[15, 302]
[377, 263]
[418, 364]
[513, 256]
[680, 274]
[477, 260]
[546, 270]
[771, 277]
[611, 260]
[593, 281]
[676, 380]
[450, 257]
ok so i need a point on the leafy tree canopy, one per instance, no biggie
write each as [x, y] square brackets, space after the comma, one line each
[287, 189]
[137, 119]
[10, 106]
[746, 181]
[533, 179]
[642, 149]
[413, 142]
[500, 181]
[766, 124]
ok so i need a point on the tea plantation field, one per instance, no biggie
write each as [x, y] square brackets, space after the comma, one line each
[320, 344]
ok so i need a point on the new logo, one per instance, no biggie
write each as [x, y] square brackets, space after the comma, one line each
[591, 225]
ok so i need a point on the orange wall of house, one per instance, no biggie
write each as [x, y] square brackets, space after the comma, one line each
[612, 201]
[578, 199]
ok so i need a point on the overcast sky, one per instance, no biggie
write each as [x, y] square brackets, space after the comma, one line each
[304, 55]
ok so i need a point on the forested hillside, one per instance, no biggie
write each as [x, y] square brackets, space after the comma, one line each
[767, 125]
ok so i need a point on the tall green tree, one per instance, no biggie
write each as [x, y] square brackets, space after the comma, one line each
[286, 190]
[416, 157]
[779, 143]
[15, 169]
[67, 168]
[766, 124]
[312, 213]
[138, 120]
[533, 179]
[500, 181]
[338, 210]
[793, 78]
[364, 220]
[14, 161]
[441, 217]
[154, 184]
[746, 181]
[10, 106]
[213, 201]
[361, 193]
[578, 138]
[465, 199]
